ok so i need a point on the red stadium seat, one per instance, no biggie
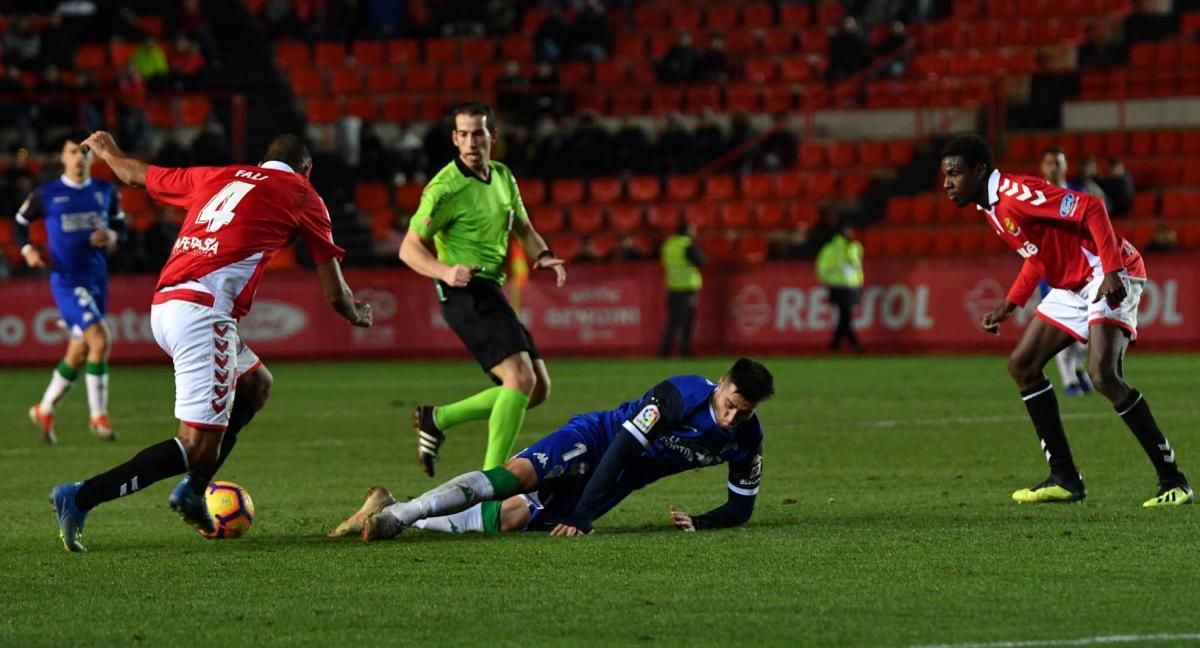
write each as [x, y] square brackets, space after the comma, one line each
[1145, 205]
[533, 192]
[663, 216]
[803, 213]
[587, 219]
[643, 189]
[567, 247]
[362, 106]
[780, 42]
[345, 81]
[873, 153]
[193, 110]
[289, 55]
[758, 15]
[382, 80]
[398, 109]
[702, 215]
[548, 220]
[770, 215]
[441, 50]
[795, 69]
[630, 47]
[329, 54]
[610, 73]
[407, 197]
[900, 210]
[697, 98]
[419, 78]
[752, 248]
[605, 190]
[719, 188]
[519, 48]
[666, 99]
[755, 186]
[761, 70]
[322, 111]
[370, 196]
[791, 184]
[722, 16]
[684, 17]
[778, 98]
[625, 218]
[683, 188]
[307, 82]
[566, 192]
[403, 51]
[843, 154]
[628, 101]
[813, 155]
[367, 53]
[736, 215]
[795, 15]
[457, 77]
[900, 152]
[479, 50]
[741, 97]
[650, 18]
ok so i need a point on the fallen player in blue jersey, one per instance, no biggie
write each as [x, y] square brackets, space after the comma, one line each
[567, 480]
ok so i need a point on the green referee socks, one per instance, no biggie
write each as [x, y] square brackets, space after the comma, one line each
[471, 408]
[508, 415]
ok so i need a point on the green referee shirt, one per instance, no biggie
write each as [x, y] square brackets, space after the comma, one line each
[469, 219]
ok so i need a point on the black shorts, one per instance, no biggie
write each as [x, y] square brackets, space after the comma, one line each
[482, 318]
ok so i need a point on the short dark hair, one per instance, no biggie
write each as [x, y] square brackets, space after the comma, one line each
[474, 109]
[752, 380]
[76, 135]
[973, 149]
[1053, 150]
[289, 149]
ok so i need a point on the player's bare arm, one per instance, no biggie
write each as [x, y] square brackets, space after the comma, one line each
[131, 171]
[414, 252]
[340, 297]
[536, 248]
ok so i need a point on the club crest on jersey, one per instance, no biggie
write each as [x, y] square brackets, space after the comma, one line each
[1011, 226]
[646, 418]
[1068, 205]
[99, 196]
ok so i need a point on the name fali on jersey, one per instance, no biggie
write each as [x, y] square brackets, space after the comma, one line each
[195, 245]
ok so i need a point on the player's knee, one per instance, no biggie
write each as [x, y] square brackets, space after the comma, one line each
[1105, 379]
[255, 387]
[524, 379]
[1021, 369]
[202, 447]
[541, 391]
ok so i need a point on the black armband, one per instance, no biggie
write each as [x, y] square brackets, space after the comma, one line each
[547, 253]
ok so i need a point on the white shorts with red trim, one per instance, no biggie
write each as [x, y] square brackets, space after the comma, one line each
[1074, 312]
[204, 347]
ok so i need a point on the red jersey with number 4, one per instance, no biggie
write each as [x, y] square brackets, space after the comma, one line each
[1064, 236]
[238, 217]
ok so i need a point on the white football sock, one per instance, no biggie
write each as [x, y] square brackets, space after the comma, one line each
[57, 388]
[456, 495]
[1066, 366]
[97, 389]
[461, 522]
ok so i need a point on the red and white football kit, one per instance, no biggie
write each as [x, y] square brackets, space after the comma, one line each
[238, 217]
[1067, 239]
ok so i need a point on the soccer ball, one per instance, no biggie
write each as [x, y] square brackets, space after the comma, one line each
[231, 508]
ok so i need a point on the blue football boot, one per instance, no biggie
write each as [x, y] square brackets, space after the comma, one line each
[191, 507]
[70, 516]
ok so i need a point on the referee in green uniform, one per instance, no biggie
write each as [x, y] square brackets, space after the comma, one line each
[467, 211]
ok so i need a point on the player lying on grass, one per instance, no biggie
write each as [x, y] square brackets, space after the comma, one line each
[1096, 282]
[567, 480]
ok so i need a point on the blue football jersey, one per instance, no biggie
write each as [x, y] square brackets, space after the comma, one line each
[676, 424]
[72, 212]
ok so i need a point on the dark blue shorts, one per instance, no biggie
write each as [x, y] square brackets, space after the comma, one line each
[81, 303]
[563, 461]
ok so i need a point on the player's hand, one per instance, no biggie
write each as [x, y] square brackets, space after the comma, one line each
[1112, 290]
[104, 238]
[566, 530]
[682, 520]
[558, 265]
[457, 276]
[102, 144]
[991, 321]
[363, 317]
[33, 256]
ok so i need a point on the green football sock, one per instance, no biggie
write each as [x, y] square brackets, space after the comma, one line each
[490, 513]
[471, 408]
[508, 414]
[67, 371]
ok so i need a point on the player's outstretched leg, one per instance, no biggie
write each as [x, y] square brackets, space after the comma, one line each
[61, 380]
[377, 499]
[96, 377]
[70, 517]
[458, 494]
[1105, 364]
[1041, 342]
[431, 423]
[188, 499]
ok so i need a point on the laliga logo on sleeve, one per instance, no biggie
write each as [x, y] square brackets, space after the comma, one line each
[646, 418]
[1067, 207]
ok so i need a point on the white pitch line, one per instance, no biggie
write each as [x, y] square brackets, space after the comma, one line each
[1082, 641]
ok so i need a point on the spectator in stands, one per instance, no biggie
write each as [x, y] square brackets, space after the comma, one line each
[501, 16]
[1097, 48]
[131, 106]
[383, 18]
[1164, 239]
[23, 45]
[628, 249]
[518, 149]
[193, 22]
[1147, 23]
[593, 34]
[59, 44]
[675, 151]
[713, 65]
[185, 64]
[678, 66]
[589, 135]
[211, 146]
[173, 153]
[1089, 173]
[512, 90]
[460, 18]
[631, 147]
[1118, 187]
[555, 38]
[839, 267]
[13, 110]
[150, 62]
[778, 149]
[279, 19]
[708, 138]
[741, 133]
[849, 53]
[588, 252]
[548, 146]
[547, 95]
[58, 109]
[897, 44]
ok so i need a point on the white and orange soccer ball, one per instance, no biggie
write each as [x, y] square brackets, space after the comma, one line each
[231, 508]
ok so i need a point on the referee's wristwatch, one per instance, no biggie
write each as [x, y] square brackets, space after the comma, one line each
[547, 253]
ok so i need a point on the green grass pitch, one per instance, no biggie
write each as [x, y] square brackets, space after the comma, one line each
[884, 519]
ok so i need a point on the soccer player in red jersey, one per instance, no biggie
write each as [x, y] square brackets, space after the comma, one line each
[1096, 281]
[238, 217]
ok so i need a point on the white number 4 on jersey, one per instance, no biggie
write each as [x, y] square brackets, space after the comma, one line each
[219, 210]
